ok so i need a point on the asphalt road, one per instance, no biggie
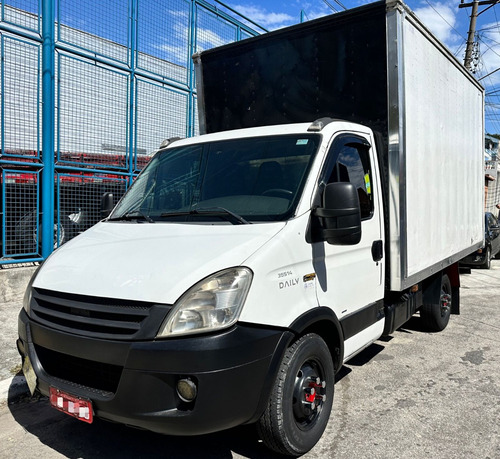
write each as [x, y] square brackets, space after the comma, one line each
[414, 395]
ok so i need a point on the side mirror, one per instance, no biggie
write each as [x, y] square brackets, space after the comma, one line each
[340, 215]
[107, 204]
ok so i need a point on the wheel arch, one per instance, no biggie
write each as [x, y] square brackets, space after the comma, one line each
[438, 292]
[324, 323]
[432, 287]
[453, 273]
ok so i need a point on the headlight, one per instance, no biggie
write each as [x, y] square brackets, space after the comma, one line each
[211, 304]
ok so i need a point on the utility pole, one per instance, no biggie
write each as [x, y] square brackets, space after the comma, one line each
[472, 27]
[472, 31]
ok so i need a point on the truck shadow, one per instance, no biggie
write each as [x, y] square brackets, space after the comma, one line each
[415, 324]
[102, 439]
[360, 359]
[72, 438]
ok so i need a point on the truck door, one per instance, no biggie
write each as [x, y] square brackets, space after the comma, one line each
[353, 280]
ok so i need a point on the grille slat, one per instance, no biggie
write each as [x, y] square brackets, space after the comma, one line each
[76, 320]
[132, 310]
[97, 316]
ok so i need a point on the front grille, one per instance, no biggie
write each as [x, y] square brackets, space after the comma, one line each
[97, 317]
[87, 373]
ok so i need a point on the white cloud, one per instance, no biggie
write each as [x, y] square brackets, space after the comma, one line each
[208, 39]
[316, 10]
[176, 54]
[441, 19]
[176, 48]
[265, 18]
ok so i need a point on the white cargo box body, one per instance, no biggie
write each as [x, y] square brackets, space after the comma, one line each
[375, 65]
[436, 170]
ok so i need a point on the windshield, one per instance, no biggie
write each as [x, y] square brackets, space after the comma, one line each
[238, 181]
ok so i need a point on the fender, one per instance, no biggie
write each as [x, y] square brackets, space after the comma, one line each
[324, 322]
[454, 276]
[321, 320]
[432, 288]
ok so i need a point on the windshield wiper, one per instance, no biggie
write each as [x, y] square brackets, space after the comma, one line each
[132, 215]
[217, 211]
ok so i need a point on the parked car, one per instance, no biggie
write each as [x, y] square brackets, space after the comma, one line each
[482, 257]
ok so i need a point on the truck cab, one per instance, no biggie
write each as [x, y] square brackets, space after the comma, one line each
[305, 222]
[246, 244]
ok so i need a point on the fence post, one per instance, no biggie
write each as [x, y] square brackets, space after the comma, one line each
[132, 151]
[191, 116]
[48, 124]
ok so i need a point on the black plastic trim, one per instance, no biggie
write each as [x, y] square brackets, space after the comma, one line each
[364, 318]
[399, 308]
[314, 320]
[239, 365]
[432, 289]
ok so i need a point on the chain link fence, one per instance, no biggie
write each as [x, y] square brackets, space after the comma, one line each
[88, 91]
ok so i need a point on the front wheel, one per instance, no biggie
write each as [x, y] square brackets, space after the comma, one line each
[487, 259]
[436, 316]
[301, 400]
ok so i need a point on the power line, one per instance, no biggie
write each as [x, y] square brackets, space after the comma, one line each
[340, 4]
[472, 27]
[332, 7]
[496, 18]
[458, 50]
[489, 48]
[491, 27]
[444, 19]
[491, 109]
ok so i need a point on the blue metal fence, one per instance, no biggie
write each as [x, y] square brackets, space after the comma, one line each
[88, 90]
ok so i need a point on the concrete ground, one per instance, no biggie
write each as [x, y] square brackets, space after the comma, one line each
[13, 283]
[413, 395]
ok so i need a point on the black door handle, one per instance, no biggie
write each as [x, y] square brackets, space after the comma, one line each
[377, 250]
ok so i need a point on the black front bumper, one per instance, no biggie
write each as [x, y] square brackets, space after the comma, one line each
[134, 383]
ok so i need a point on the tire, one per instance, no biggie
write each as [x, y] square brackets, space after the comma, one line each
[487, 259]
[436, 316]
[28, 233]
[301, 400]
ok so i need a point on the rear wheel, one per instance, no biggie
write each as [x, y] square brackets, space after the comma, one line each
[436, 316]
[301, 401]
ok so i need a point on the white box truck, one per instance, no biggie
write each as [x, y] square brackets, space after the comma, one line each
[339, 182]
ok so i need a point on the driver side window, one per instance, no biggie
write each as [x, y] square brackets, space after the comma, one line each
[349, 161]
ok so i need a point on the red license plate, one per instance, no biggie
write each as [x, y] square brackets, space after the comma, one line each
[74, 406]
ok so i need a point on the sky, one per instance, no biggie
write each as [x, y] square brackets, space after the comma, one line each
[444, 18]
[158, 38]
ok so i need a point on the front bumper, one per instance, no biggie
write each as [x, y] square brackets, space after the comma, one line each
[134, 383]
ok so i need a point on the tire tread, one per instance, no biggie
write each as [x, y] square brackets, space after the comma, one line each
[271, 426]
